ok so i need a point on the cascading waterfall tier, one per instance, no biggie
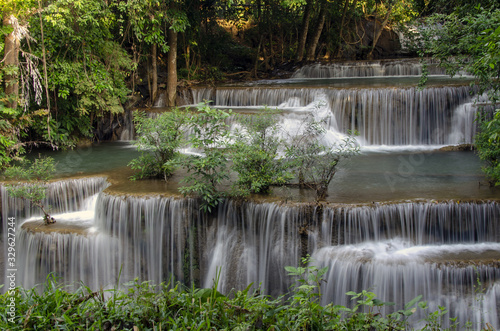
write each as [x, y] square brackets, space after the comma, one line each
[61, 196]
[402, 67]
[381, 116]
[397, 272]
[446, 252]
[419, 223]
[400, 250]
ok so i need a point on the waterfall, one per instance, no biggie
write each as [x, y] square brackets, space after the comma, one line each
[469, 292]
[383, 116]
[402, 67]
[161, 100]
[72, 258]
[154, 234]
[61, 196]
[420, 223]
[252, 243]
[441, 250]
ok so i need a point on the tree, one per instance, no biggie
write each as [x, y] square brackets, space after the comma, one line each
[149, 20]
[207, 170]
[87, 68]
[159, 140]
[36, 174]
[311, 52]
[254, 153]
[315, 159]
[304, 30]
[13, 116]
[11, 59]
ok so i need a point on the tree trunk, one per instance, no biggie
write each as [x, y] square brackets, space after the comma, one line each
[11, 59]
[154, 68]
[45, 75]
[256, 64]
[343, 21]
[303, 33]
[172, 68]
[321, 191]
[311, 52]
[378, 32]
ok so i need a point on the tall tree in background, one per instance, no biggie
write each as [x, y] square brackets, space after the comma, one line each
[11, 59]
[304, 30]
[152, 21]
[13, 105]
[377, 30]
[311, 52]
[87, 68]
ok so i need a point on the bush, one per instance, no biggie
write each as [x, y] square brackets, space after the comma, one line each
[488, 147]
[159, 141]
[255, 154]
[143, 306]
[207, 171]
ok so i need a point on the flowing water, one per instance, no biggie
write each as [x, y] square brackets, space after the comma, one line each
[402, 219]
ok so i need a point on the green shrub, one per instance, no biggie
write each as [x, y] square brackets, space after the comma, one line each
[314, 160]
[254, 154]
[206, 172]
[488, 147]
[159, 140]
[144, 306]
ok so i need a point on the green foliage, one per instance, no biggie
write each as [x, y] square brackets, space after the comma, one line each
[87, 67]
[12, 121]
[305, 301]
[207, 171]
[254, 154]
[36, 175]
[488, 147]
[41, 170]
[149, 18]
[426, 7]
[11, 124]
[464, 43]
[159, 140]
[168, 306]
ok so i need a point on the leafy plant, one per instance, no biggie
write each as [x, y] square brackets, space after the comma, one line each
[11, 125]
[37, 174]
[168, 306]
[254, 153]
[207, 170]
[305, 300]
[159, 140]
[488, 147]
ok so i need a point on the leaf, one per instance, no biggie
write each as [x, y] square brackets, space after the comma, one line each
[413, 302]
[206, 293]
